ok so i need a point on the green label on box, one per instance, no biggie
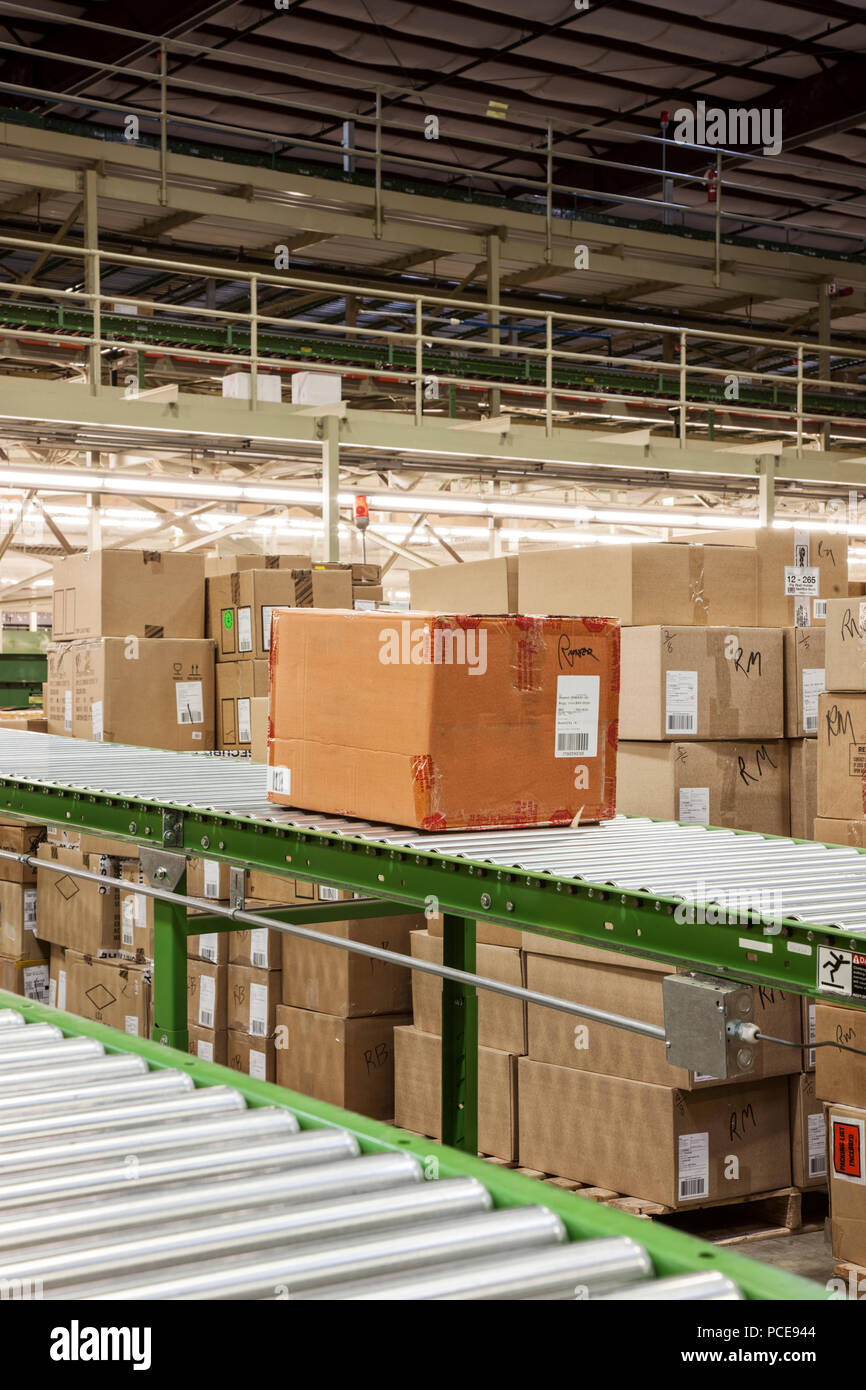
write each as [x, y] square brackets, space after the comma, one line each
[228, 620]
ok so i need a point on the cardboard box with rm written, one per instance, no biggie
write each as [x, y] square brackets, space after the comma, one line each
[157, 694]
[240, 605]
[841, 755]
[528, 739]
[798, 571]
[845, 662]
[846, 1146]
[476, 586]
[238, 683]
[702, 683]
[501, 1021]
[643, 584]
[660, 1143]
[840, 1075]
[112, 991]
[803, 754]
[744, 785]
[128, 593]
[632, 987]
[77, 912]
[804, 679]
[808, 1133]
[348, 985]
[418, 1091]
[346, 1061]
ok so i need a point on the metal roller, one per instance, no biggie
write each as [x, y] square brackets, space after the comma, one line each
[264, 1276]
[31, 1036]
[310, 1146]
[91, 1071]
[561, 1272]
[710, 1285]
[131, 1086]
[11, 1018]
[231, 1236]
[201, 1132]
[86, 1219]
[14, 1060]
[76, 1123]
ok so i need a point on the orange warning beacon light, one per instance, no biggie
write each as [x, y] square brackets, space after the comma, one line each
[361, 509]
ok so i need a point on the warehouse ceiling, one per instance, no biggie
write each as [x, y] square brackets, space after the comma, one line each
[292, 85]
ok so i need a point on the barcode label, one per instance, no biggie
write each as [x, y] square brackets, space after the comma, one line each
[681, 702]
[257, 1027]
[36, 983]
[67, 709]
[207, 1001]
[259, 959]
[814, 682]
[693, 1187]
[207, 946]
[205, 1018]
[681, 724]
[572, 743]
[245, 630]
[810, 723]
[259, 947]
[30, 909]
[328, 895]
[819, 610]
[96, 720]
[130, 1025]
[280, 780]
[817, 1165]
[258, 1010]
[244, 727]
[190, 702]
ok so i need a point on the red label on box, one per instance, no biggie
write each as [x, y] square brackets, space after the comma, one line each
[848, 1149]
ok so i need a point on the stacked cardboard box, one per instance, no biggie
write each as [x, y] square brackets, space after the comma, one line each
[841, 811]
[339, 1012]
[603, 1106]
[130, 662]
[23, 954]
[501, 1041]
[840, 1082]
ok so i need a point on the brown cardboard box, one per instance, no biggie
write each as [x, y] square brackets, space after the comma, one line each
[157, 694]
[841, 756]
[208, 1045]
[208, 993]
[64, 837]
[57, 690]
[804, 786]
[856, 588]
[703, 683]
[742, 785]
[253, 1056]
[29, 978]
[808, 1133]
[840, 1075]
[665, 1145]
[363, 594]
[820, 556]
[642, 584]
[233, 564]
[116, 992]
[846, 644]
[476, 586]
[136, 913]
[634, 989]
[804, 678]
[128, 593]
[418, 1092]
[253, 996]
[237, 684]
[258, 947]
[278, 888]
[208, 878]
[810, 1032]
[20, 838]
[345, 1061]
[486, 933]
[18, 939]
[347, 985]
[240, 605]
[212, 947]
[529, 740]
[57, 977]
[259, 729]
[846, 1146]
[76, 912]
[841, 832]
[501, 1021]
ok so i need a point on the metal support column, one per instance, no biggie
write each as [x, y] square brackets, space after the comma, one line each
[767, 489]
[170, 990]
[824, 330]
[493, 249]
[331, 486]
[459, 1038]
[91, 278]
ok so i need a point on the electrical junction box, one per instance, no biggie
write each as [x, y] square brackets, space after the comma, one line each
[700, 1012]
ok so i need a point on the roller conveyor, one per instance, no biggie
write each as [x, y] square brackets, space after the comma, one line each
[221, 1200]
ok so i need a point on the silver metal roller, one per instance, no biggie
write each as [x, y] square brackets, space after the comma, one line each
[175, 1109]
[33, 1035]
[91, 1070]
[131, 1085]
[11, 1018]
[232, 1236]
[710, 1285]
[276, 1151]
[88, 1218]
[560, 1272]
[200, 1132]
[265, 1275]
[15, 1060]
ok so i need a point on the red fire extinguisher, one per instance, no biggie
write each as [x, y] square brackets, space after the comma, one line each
[712, 190]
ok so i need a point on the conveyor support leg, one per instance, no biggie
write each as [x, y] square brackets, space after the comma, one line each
[170, 989]
[459, 1039]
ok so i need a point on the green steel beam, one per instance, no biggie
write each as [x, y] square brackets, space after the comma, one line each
[671, 1251]
[170, 984]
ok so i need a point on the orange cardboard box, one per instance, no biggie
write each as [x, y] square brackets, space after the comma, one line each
[444, 722]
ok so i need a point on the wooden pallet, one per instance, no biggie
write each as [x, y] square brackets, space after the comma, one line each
[728, 1222]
